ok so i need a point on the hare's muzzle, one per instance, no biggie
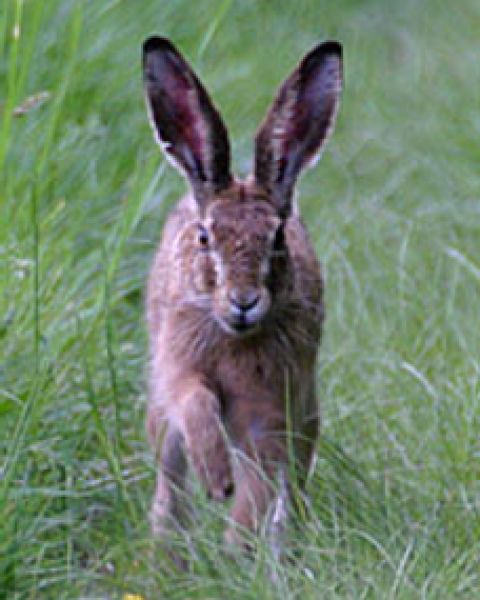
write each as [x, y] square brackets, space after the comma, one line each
[244, 309]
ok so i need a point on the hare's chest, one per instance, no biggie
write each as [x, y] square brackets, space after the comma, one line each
[250, 375]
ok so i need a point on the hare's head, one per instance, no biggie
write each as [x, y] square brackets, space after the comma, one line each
[237, 252]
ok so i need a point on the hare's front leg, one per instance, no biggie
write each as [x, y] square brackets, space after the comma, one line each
[167, 504]
[205, 439]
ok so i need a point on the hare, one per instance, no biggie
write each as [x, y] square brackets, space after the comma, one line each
[234, 298]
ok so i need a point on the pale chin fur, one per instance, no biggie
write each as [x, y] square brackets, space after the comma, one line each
[235, 333]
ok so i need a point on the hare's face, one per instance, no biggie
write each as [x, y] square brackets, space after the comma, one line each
[241, 253]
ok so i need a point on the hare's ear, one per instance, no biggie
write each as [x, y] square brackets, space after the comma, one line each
[187, 125]
[299, 122]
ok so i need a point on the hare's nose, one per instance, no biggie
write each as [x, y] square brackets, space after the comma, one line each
[244, 300]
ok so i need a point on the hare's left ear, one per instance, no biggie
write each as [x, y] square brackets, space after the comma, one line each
[187, 125]
[298, 123]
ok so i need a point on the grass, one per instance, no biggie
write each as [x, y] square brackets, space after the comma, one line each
[394, 212]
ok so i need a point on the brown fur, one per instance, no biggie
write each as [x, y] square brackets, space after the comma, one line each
[221, 393]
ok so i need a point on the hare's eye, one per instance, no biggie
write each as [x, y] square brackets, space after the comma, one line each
[202, 237]
[279, 240]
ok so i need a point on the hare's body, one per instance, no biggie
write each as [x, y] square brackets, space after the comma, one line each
[234, 302]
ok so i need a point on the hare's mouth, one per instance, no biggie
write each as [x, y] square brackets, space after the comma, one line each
[238, 327]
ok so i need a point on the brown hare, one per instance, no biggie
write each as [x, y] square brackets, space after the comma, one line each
[234, 299]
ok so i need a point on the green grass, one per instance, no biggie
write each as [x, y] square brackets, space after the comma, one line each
[394, 211]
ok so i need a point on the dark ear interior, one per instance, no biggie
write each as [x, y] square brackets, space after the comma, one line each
[298, 122]
[187, 125]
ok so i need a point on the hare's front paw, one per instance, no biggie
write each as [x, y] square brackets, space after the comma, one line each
[211, 462]
[207, 442]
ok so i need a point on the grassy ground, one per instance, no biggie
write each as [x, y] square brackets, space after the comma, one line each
[394, 211]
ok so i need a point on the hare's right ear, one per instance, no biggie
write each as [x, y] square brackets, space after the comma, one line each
[187, 125]
[298, 123]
